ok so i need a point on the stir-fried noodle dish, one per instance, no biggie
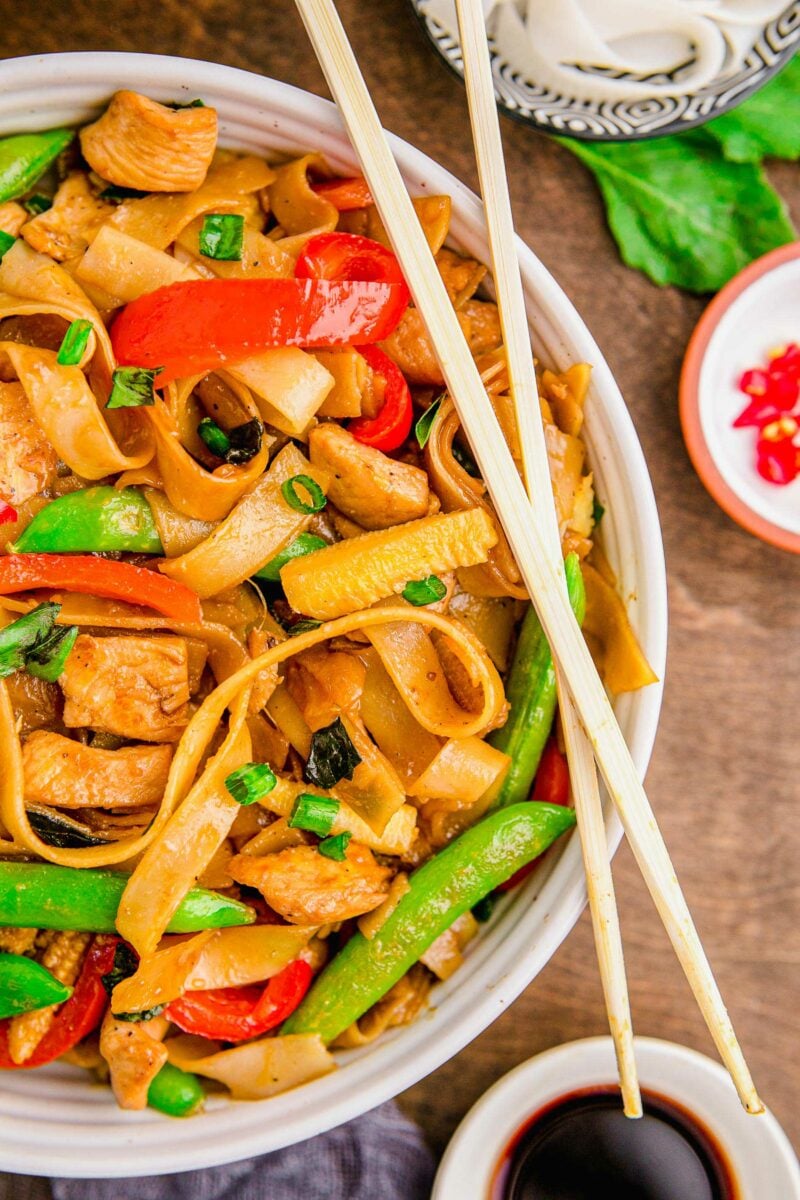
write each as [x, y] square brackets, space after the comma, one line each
[278, 718]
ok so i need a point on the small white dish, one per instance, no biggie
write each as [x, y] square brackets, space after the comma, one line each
[763, 1163]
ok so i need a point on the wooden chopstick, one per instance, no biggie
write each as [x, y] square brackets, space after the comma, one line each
[543, 578]
[525, 394]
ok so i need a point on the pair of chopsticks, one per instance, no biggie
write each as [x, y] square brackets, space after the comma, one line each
[588, 718]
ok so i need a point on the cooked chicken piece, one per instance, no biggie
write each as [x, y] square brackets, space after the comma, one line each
[411, 348]
[63, 957]
[309, 889]
[137, 687]
[461, 276]
[66, 773]
[138, 143]
[483, 329]
[27, 460]
[12, 217]
[367, 485]
[134, 1059]
[65, 230]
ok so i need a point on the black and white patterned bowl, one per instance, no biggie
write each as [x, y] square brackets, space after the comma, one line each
[645, 117]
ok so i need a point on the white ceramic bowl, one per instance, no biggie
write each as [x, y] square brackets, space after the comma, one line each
[760, 1155]
[55, 1121]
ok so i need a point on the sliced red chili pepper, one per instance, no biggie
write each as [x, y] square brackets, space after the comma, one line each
[99, 577]
[782, 390]
[759, 412]
[788, 360]
[234, 1014]
[348, 256]
[551, 786]
[8, 515]
[777, 456]
[199, 325]
[345, 194]
[77, 1017]
[390, 428]
[754, 382]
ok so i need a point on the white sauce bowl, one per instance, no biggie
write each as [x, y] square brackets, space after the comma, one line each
[54, 1121]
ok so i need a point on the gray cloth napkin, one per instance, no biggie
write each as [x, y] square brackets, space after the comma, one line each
[381, 1156]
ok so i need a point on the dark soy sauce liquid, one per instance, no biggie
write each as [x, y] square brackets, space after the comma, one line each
[582, 1147]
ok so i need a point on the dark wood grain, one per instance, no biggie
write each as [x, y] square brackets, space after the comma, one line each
[724, 772]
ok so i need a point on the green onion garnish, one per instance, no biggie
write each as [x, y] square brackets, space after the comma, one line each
[304, 543]
[250, 783]
[47, 659]
[289, 493]
[304, 626]
[315, 814]
[424, 425]
[597, 511]
[20, 637]
[214, 437]
[335, 847]
[332, 756]
[72, 347]
[146, 1014]
[132, 387]
[420, 592]
[222, 236]
[6, 242]
[37, 204]
[483, 910]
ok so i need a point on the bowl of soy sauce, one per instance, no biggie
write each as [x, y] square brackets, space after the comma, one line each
[553, 1129]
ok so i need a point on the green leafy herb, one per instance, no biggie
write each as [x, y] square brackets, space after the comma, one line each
[424, 425]
[681, 212]
[483, 910]
[244, 442]
[290, 494]
[24, 157]
[190, 104]
[47, 659]
[315, 814]
[146, 1014]
[132, 387]
[6, 242]
[222, 236]
[597, 511]
[336, 847]
[60, 831]
[37, 204]
[126, 960]
[465, 460]
[117, 194]
[250, 783]
[304, 626]
[214, 437]
[420, 592]
[766, 125]
[332, 756]
[73, 345]
[304, 543]
[29, 632]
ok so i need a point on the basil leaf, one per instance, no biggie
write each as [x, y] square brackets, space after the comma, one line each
[222, 236]
[332, 756]
[126, 960]
[146, 1014]
[304, 626]
[682, 213]
[766, 125]
[37, 204]
[597, 511]
[58, 830]
[6, 242]
[420, 592]
[132, 387]
[116, 195]
[18, 638]
[47, 659]
[423, 427]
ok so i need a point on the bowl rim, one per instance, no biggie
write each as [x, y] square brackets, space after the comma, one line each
[678, 124]
[689, 402]
[82, 81]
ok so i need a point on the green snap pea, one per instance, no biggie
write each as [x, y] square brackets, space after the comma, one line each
[449, 884]
[26, 985]
[94, 519]
[175, 1092]
[26, 156]
[531, 692]
[304, 543]
[52, 897]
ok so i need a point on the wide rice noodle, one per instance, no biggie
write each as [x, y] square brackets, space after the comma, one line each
[255, 1070]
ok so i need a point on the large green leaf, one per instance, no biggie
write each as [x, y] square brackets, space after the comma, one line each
[765, 126]
[681, 212]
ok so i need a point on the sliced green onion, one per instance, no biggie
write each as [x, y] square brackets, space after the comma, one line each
[304, 626]
[483, 910]
[72, 347]
[332, 756]
[424, 425]
[315, 814]
[597, 511]
[18, 638]
[289, 493]
[222, 236]
[214, 437]
[49, 656]
[6, 242]
[37, 204]
[132, 387]
[335, 847]
[251, 783]
[304, 543]
[424, 591]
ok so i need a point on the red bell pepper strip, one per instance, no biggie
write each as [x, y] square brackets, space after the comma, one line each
[8, 515]
[550, 786]
[194, 326]
[233, 1014]
[77, 1017]
[390, 428]
[99, 577]
[345, 194]
[340, 256]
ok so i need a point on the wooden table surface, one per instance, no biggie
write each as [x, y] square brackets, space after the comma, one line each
[724, 775]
